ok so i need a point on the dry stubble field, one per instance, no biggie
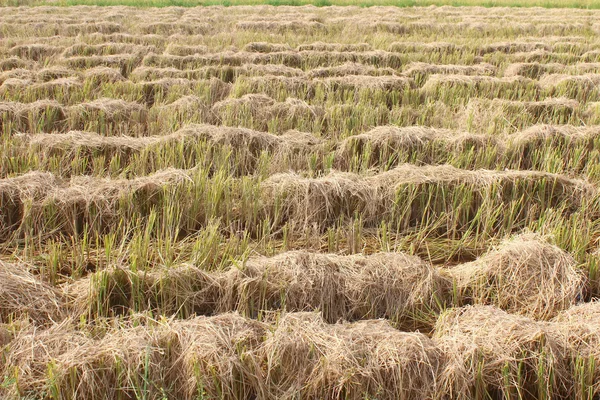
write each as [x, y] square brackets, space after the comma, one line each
[299, 203]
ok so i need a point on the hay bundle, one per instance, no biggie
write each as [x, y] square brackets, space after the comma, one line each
[584, 68]
[388, 146]
[341, 47]
[10, 63]
[359, 82]
[262, 109]
[490, 353]
[271, 69]
[524, 275]
[420, 68]
[30, 353]
[513, 47]
[183, 359]
[184, 50]
[533, 70]
[106, 111]
[68, 205]
[579, 327]
[321, 201]
[304, 357]
[483, 86]
[16, 192]
[420, 47]
[97, 198]
[40, 115]
[575, 145]
[102, 75]
[12, 85]
[273, 85]
[124, 62]
[500, 115]
[349, 68]
[18, 74]
[60, 86]
[395, 286]
[186, 108]
[581, 87]
[183, 291]
[289, 148]
[35, 52]
[265, 47]
[74, 142]
[23, 295]
[405, 192]
[54, 72]
[218, 359]
[280, 26]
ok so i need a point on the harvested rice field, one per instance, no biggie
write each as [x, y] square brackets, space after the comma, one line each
[264, 202]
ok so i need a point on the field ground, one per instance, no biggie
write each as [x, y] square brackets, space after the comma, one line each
[299, 202]
[584, 4]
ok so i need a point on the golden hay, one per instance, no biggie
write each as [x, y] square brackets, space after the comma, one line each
[357, 82]
[264, 108]
[35, 52]
[579, 327]
[19, 74]
[10, 63]
[420, 47]
[395, 286]
[183, 291]
[349, 68]
[197, 357]
[485, 85]
[81, 200]
[342, 47]
[384, 145]
[492, 353]
[304, 357]
[322, 201]
[401, 288]
[183, 50]
[265, 47]
[513, 47]
[103, 75]
[524, 275]
[110, 111]
[421, 68]
[23, 295]
[507, 115]
[54, 72]
[532, 70]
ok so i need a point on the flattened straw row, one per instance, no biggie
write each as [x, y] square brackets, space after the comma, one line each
[229, 356]
[475, 351]
[398, 287]
[400, 197]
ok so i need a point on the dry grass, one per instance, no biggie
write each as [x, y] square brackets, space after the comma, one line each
[299, 200]
[491, 352]
[524, 275]
[24, 295]
[307, 357]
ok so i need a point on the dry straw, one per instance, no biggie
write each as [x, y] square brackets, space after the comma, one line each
[492, 353]
[401, 288]
[579, 327]
[524, 275]
[306, 357]
[24, 295]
